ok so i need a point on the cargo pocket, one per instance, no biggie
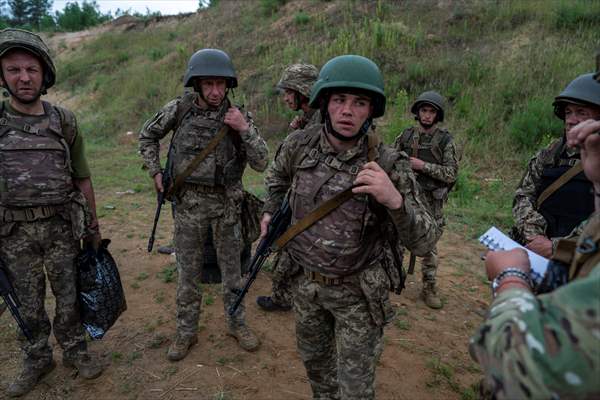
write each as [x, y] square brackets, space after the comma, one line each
[375, 285]
[80, 216]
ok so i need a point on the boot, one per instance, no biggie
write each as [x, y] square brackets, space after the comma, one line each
[430, 296]
[87, 367]
[28, 378]
[267, 304]
[245, 337]
[181, 347]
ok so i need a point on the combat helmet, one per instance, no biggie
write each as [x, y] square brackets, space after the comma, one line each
[582, 90]
[433, 99]
[11, 38]
[352, 72]
[208, 63]
[299, 77]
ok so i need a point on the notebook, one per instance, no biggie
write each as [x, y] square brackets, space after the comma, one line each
[494, 239]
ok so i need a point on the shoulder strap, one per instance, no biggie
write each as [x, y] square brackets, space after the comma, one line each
[68, 124]
[557, 184]
[183, 108]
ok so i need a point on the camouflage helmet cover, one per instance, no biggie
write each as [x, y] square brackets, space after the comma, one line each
[12, 38]
[584, 90]
[299, 77]
[350, 72]
[210, 63]
[432, 98]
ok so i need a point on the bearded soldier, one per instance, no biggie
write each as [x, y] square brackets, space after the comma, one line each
[554, 195]
[46, 206]
[210, 195]
[433, 158]
[296, 82]
[341, 298]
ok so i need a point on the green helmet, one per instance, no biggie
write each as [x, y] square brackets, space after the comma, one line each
[433, 99]
[582, 90]
[299, 77]
[353, 72]
[12, 38]
[210, 63]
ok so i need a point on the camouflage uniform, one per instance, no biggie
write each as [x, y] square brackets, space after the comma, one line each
[529, 221]
[439, 152]
[341, 298]
[546, 347]
[211, 197]
[42, 217]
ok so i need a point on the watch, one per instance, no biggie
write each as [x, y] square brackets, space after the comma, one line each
[510, 271]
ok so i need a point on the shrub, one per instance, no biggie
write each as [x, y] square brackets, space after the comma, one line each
[534, 124]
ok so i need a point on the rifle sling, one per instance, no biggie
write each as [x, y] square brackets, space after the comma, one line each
[180, 179]
[557, 184]
[315, 215]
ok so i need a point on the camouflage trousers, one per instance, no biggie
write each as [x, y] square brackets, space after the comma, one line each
[194, 214]
[429, 262]
[27, 248]
[282, 280]
[339, 333]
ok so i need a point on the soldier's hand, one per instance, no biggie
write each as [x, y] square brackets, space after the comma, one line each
[498, 261]
[417, 164]
[264, 224]
[373, 180]
[541, 245]
[158, 183]
[235, 119]
[586, 135]
[94, 241]
[296, 122]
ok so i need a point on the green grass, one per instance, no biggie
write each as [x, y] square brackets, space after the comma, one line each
[168, 274]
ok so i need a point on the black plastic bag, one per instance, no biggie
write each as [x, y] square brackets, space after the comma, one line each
[99, 289]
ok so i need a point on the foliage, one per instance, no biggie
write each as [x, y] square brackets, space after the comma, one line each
[75, 17]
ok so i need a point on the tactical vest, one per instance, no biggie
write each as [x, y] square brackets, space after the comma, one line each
[429, 148]
[569, 205]
[222, 167]
[35, 163]
[344, 241]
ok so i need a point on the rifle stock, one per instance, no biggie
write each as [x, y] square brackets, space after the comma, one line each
[278, 225]
[7, 292]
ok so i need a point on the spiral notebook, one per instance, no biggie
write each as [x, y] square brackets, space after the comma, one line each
[494, 239]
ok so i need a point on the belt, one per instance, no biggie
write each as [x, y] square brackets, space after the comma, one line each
[29, 214]
[204, 188]
[322, 279]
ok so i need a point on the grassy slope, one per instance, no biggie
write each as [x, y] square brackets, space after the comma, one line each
[499, 63]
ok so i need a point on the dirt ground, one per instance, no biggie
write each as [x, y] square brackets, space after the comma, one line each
[425, 354]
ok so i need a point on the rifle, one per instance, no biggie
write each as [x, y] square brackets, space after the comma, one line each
[7, 292]
[167, 181]
[278, 225]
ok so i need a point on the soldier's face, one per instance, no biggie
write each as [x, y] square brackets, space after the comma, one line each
[427, 115]
[213, 90]
[348, 112]
[575, 114]
[23, 74]
[289, 98]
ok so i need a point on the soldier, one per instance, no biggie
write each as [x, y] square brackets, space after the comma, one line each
[212, 193]
[46, 206]
[554, 195]
[433, 158]
[296, 82]
[547, 347]
[341, 298]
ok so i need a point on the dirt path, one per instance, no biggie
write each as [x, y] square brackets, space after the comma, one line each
[425, 353]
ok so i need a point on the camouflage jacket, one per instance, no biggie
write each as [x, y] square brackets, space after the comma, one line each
[297, 155]
[528, 221]
[545, 347]
[441, 167]
[306, 120]
[192, 132]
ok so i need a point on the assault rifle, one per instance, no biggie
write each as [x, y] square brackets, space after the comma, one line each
[278, 225]
[167, 182]
[7, 292]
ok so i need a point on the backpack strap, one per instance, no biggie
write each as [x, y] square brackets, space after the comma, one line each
[68, 124]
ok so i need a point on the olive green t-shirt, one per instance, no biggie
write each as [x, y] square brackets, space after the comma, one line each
[77, 148]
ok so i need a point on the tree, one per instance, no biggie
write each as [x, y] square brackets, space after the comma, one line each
[19, 11]
[75, 17]
[37, 10]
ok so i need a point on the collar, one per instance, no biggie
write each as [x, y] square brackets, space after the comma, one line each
[345, 155]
